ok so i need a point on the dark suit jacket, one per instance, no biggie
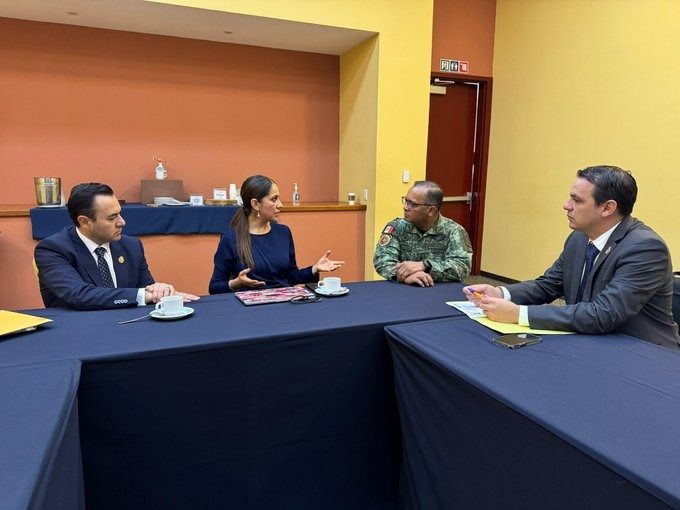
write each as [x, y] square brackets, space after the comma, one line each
[629, 290]
[69, 276]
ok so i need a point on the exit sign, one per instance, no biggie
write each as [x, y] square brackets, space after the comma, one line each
[454, 66]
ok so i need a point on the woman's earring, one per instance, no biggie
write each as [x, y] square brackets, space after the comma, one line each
[258, 214]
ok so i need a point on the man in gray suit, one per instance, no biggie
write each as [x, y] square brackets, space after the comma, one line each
[615, 273]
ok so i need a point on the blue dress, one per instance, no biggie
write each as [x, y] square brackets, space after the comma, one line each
[273, 255]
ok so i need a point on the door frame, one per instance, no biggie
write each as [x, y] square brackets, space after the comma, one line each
[480, 159]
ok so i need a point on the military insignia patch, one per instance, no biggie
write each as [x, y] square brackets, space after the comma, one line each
[384, 240]
[389, 230]
[121, 259]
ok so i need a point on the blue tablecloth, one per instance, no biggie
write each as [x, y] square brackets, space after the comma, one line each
[275, 406]
[574, 422]
[40, 466]
[143, 220]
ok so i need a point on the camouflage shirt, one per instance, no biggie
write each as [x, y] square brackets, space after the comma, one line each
[446, 247]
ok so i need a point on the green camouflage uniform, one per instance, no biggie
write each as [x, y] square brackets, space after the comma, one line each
[446, 246]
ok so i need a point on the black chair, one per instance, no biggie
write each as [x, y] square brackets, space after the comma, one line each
[676, 297]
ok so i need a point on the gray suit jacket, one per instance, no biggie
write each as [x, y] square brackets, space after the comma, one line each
[629, 290]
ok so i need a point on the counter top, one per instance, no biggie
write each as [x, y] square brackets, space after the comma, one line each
[22, 210]
[12, 211]
[321, 206]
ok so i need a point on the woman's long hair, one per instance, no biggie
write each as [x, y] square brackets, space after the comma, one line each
[257, 187]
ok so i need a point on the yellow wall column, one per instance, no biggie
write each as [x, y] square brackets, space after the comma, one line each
[358, 132]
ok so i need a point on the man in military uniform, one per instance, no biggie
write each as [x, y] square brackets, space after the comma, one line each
[424, 247]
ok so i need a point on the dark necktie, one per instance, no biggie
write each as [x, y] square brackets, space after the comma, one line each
[591, 254]
[104, 267]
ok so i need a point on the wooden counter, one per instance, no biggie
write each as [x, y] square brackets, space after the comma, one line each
[321, 206]
[11, 211]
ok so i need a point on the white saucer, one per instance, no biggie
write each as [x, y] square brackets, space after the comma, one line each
[186, 311]
[340, 292]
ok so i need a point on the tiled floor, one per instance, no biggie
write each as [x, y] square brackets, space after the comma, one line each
[472, 279]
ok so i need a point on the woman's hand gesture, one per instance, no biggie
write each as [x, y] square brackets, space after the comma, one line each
[326, 264]
[242, 280]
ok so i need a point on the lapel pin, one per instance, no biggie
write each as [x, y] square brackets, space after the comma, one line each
[121, 259]
[609, 248]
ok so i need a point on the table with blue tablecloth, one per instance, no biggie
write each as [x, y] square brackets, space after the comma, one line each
[143, 220]
[40, 463]
[272, 406]
[577, 421]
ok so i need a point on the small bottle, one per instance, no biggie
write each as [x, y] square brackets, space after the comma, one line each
[296, 194]
[161, 174]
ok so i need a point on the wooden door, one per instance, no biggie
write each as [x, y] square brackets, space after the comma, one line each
[454, 151]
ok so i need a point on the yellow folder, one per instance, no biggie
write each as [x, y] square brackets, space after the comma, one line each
[13, 322]
[504, 328]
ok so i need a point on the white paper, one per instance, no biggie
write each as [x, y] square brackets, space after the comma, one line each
[468, 308]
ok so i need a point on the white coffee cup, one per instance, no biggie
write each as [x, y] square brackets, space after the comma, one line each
[170, 305]
[330, 284]
[351, 198]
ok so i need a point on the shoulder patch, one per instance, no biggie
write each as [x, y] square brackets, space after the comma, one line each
[384, 239]
[389, 230]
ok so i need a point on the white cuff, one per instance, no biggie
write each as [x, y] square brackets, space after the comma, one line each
[523, 315]
[523, 310]
[141, 297]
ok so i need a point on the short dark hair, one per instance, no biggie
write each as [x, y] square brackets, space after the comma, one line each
[612, 183]
[435, 194]
[82, 197]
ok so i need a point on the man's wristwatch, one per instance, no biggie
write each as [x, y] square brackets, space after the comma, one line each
[428, 266]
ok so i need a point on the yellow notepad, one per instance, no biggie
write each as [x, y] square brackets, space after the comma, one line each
[477, 314]
[13, 322]
[504, 328]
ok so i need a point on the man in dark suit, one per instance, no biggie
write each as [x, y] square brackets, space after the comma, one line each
[92, 265]
[615, 273]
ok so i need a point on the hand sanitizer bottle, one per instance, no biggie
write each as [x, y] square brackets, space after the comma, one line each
[296, 194]
[161, 174]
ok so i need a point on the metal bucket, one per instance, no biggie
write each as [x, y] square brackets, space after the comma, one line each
[47, 190]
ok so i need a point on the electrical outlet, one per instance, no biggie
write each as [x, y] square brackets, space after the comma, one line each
[406, 176]
[365, 195]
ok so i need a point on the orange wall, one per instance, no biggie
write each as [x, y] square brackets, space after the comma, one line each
[90, 104]
[18, 284]
[464, 30]
[187, 261]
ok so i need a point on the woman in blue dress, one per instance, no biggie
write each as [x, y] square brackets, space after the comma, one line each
[256, 251]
